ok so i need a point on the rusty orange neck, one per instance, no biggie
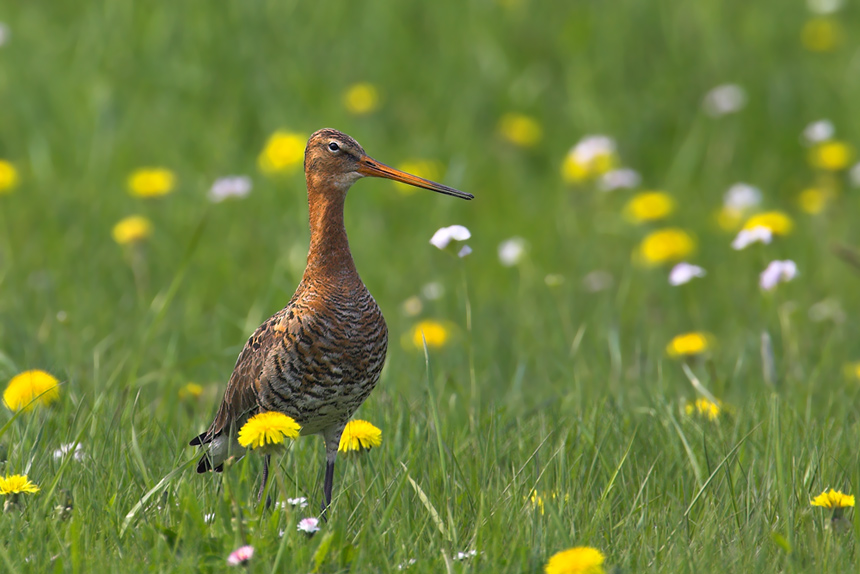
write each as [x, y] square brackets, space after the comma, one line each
[329, 253]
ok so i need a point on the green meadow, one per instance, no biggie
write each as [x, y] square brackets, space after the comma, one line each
[553, 406]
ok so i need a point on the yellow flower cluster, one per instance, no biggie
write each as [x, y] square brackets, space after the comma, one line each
[578, 560]
[8, 177]
[267, 429]
[191, 391]
[821, 35]
[284, 152]
[361, 99]
[689, 344]
[132, 229]
[831, 155]
[520, 130]
[359, 436]
[17, 484]
[537, 501]
[29, 388]
[814, 200]
[665, 246]
[704, 408]
[435, 333]
[151, 182]
[833, 499]
[592, 157]
[778, 222]
[649, 206]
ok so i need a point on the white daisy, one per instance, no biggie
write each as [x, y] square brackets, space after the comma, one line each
[684, 273]
[511, 251]
[725, 99]
[237, 186]
[446, 235]
[777, 272]
[623, 178]
[747, 237]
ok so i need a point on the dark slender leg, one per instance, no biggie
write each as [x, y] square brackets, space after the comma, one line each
[327, 486]
[266, 461]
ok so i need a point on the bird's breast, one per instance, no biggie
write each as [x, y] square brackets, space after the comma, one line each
[328, 359]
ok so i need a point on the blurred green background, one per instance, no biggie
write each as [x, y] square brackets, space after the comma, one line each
[92, 91]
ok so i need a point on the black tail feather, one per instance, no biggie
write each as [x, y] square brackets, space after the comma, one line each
[205, 465]
[201, 439]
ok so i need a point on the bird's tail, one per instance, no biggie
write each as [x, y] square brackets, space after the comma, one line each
[219, 449]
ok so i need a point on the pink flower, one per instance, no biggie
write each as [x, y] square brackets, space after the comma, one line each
[240, 556]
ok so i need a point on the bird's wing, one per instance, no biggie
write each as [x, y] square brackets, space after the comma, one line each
[240, 398]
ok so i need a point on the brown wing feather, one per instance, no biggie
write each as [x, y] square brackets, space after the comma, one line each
[240, 397]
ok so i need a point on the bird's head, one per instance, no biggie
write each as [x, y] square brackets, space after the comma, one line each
[335, 161]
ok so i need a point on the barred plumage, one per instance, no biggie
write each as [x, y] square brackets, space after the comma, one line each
[318, 358]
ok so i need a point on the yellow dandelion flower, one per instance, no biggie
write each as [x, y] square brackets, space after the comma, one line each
[813, 200]
[778, 222]
[359, 436]
[704, 408]
[426, 168]
[16, 484]
[151, 182]
[833, 499]
[362, 98]
[649, 206]
[520, 130]
[29, 385]
[191, 391]
[852, 370]
[665, 246]
[132, 229]
[579, 560]
[435, 333]
[284, 152]
[689, 344]
[821, 35]
[831, 155]
[8, 177]
[269, 428]
[729, 218]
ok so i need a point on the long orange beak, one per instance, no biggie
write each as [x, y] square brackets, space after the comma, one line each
[369, 167]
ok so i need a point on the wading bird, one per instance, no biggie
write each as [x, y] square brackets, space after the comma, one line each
[318, 358]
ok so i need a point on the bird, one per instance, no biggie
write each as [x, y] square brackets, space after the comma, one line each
[317, 359]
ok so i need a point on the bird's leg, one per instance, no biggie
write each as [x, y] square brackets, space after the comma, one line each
[332, 442]
[329, 483]
[266, 460]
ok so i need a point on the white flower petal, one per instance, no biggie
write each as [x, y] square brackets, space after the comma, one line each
[237, 186]
[466, 250]
[824, 6]
[684, 273]
[854, 175]
[819, 131]
[446, 235]
[591, 147]
[309, 525]
[777, 272]
[747, 237]
[742, 196]
[624, 178]
[433, 291]
[725, 99]
[511, 251]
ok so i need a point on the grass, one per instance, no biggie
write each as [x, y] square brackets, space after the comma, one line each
[558, 390]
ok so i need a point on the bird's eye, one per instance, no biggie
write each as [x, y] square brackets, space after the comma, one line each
[333, 146]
